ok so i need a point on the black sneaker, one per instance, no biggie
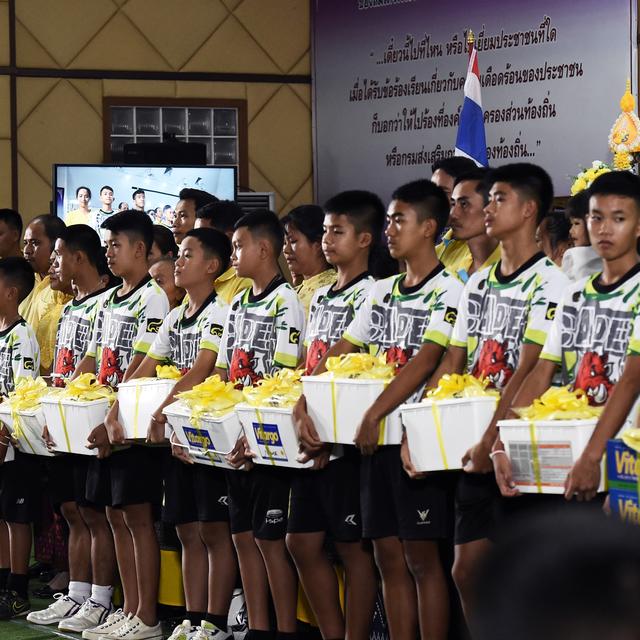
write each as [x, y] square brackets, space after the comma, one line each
[13, 605]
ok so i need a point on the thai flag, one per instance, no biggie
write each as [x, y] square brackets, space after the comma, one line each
[471, 142]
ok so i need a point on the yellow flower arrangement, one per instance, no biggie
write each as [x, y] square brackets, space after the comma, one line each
[584, 179]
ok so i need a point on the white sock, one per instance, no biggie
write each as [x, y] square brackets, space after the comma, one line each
[102, 595]
[79, 591]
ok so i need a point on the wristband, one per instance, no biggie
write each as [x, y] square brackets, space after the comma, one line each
[493, 454]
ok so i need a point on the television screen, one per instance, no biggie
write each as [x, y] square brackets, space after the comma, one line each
[90, 193]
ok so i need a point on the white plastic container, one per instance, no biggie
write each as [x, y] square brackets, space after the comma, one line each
[337, 407]
[209, 442]
[271, 435]
[70, 422]
[462, 421]
[558, 444]
[33, 422]
[137, 400]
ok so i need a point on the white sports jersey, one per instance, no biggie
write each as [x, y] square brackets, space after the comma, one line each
[19, 355]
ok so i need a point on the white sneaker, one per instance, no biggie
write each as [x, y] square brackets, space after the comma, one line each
[63, 607]
[184, 631]
[113, 622]
[209, 631]
[90, 615]
[134, 628]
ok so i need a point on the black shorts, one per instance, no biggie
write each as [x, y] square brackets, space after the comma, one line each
[482, 512]
[21, 491]
[194, 493]
[136, 475]
[395, 505]
[259, 501]
[478, 507]
[98, 484]
[67, 479]
[328, 500]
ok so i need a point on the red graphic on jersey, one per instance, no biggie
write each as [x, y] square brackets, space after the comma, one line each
[398, 357]
[493, 364]
[315, 353]
[110, 372]
[592, 377]
[64, 366]
[242, 366]
[184, 371]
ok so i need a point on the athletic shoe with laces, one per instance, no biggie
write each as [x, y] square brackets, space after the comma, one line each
[89, 615]
[135, 629]
[13, 605]
[184, 631]
[113, 622]
[62, 607]
[208, 631]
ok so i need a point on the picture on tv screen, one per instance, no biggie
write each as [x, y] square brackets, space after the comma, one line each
[89, 194]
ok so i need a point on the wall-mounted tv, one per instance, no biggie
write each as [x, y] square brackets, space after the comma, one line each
[79, 193]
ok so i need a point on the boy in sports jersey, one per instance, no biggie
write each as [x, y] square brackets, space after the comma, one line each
[406, 518]
[78, 260]
[504, 315]
[327, 501]
[20, 490]
[196, 495]
[262, 335]
[129, 321]
[594, 337]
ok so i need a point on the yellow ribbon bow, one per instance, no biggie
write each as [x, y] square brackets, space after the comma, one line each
[168, 372]
[25, 397]
[363, 366]
[211, 396]
[631, 437]
[559, 403]
[282, 389]
[85, 388]
[460, 386]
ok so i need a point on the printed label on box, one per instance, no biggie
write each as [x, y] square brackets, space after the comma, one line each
[625, 505]
[198, 439]
[623, 463]
[556, 460]
[270, 445]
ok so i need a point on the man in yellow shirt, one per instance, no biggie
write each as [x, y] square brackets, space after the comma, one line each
[43, 306]
[223, 215]
[10, 233]
[452, 252]
[469, 197]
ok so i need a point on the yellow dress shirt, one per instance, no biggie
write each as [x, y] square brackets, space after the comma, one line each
[309, 286]
[229, 285]
[42, 309]
[456, 257]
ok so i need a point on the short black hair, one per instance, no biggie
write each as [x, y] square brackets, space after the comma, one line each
[222, 215]
[455, 166]
[617, 183]
[163, 237]
[12, 219]
[82, 237]
[133, 224]
[17, 272]
[308, 219]
[530, 180]
[364, 210]
[265, 224]
[214, 243]
[578, 205]
[479, 175]
[201, 198]
[137, 191]
[106, 186]
[85, 188]
[557, 227]
[428, 199]
[54, 227]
